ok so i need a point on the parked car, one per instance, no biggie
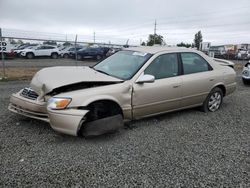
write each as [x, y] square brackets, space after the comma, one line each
[219, 51]
[131, 84]
[8, 55]
[113, 51]
[68, 52]
[246, 74]
[105, 50]
[18, 51]
[42, 50]
[90, 53]
[243, 54]
[6, 50]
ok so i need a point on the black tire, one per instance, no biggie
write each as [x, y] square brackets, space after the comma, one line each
[79, 57]
[103, 112]
[54, 55]
[213, 101]
[30, 55]
[66, 56]
[98, 57]
[246, 82]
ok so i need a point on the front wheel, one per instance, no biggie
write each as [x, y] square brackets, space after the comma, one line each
[66, 56]
[213, 101]
[30, 55]
[54, 55]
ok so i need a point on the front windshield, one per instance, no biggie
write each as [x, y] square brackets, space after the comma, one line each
[123, 64]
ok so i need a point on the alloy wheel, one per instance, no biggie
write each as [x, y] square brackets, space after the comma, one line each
[214, 101]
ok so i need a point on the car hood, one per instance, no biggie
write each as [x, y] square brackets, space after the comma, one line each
[52, 78]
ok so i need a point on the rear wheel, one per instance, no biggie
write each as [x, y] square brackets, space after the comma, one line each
[30, 55]
[213, 101]
[79, 57]
[54, 55]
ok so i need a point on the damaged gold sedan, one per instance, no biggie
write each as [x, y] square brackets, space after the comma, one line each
[131, 84]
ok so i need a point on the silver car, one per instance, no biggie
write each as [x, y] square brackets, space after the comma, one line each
[246, 74]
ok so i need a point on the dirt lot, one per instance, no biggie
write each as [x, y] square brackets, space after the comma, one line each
[181, 149]
[24, 69]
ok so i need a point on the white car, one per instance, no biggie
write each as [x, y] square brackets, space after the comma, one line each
[243, 54]
[246, 74]
[43, 50]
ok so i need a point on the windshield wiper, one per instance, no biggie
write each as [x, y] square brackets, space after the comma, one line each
[101, 71]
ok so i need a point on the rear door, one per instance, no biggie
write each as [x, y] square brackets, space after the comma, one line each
[164, 94]
[39, 51]
[48, 50]
[198, 79]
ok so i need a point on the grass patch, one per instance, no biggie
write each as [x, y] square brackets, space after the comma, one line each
[18, 74]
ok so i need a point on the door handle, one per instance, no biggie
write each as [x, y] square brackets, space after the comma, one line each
[211, 80]
[176, 86]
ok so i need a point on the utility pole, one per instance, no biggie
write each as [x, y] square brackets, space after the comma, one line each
[75, 49]
[155, 31]
[2, 54]
[94, 37]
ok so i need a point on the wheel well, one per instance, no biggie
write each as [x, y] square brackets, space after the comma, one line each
[54, 53]
[30, 53]
[223, 88]
[247, 64]
[103, 108]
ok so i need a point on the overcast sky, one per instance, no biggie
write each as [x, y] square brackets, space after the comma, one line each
[221, 21]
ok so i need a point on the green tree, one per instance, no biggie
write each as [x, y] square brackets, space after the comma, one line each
[154, 39]
[182, 44]
[143, 43]
[197, 39]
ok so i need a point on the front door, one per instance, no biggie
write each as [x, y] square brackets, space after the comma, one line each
[164, 94]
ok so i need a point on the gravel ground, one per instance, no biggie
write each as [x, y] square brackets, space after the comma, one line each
[181, 149]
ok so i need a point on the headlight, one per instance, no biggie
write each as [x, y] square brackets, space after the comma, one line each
[245, 73]
[58, 103]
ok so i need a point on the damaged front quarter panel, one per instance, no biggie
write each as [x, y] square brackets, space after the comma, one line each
[72, 119]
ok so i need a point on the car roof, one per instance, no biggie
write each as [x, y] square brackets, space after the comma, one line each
[157, 49]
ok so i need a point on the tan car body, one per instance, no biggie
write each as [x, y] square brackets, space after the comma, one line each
[136, 100]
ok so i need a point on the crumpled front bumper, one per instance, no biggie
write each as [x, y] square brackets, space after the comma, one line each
[66, 121]
[27, 107]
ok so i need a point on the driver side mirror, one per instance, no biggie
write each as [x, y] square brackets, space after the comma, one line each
[145, 78]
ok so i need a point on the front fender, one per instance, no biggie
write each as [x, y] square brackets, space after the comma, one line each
[99, 97]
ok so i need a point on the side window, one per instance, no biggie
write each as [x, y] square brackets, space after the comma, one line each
[193, 63]
[164, 66]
